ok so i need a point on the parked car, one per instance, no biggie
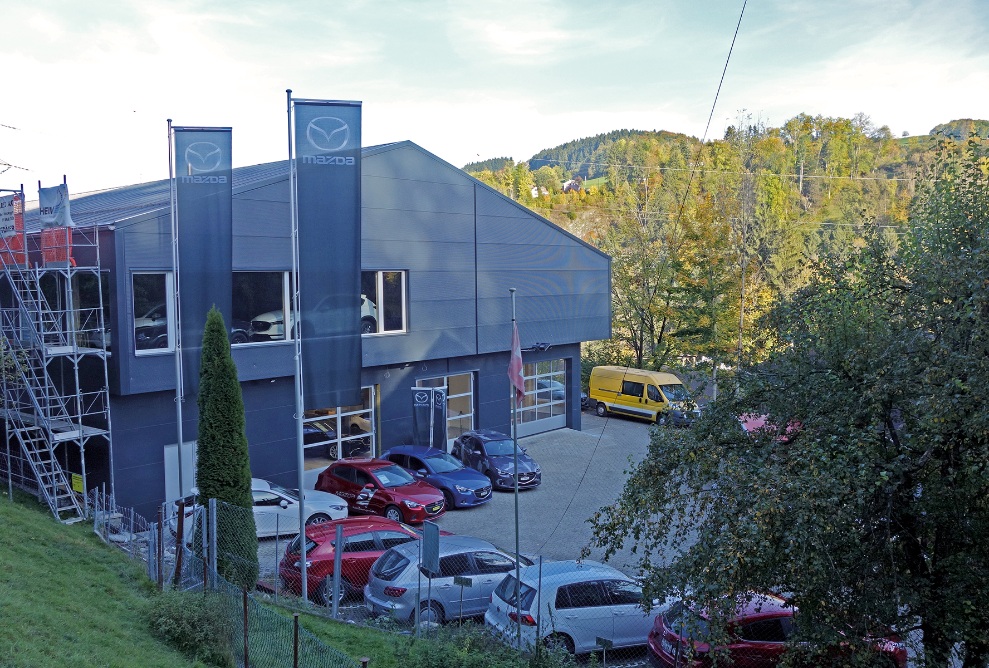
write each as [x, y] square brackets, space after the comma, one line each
[364, 540]
[759, 630]
[240, 331]
[276, 509]
[491, 453]
[151, 328]
[270, 326]
[462, 487]
[581, 602]
[323, 433]
[550, 390]
[381, 487]
[396, 582]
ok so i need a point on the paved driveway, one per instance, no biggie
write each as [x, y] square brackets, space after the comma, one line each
[582, 472]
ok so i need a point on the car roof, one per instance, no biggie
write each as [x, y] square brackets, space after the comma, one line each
[452, 544]
[418, 450]
[488, 435]
[362, 462]
[556, 573]
[762, 605]
[352, 525]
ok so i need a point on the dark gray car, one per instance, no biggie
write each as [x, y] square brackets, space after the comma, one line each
[396, 582]
[491, 453]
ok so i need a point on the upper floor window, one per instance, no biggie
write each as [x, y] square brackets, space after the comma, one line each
[383, 303]
[154, 309]
[260, 301]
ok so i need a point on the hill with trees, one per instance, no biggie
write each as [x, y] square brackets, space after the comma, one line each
[705, 237]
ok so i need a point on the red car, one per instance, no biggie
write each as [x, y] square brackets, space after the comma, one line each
[381, 487]
[364, 540]
[759, 633]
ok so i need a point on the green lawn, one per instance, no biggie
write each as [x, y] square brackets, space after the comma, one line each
[67, 599]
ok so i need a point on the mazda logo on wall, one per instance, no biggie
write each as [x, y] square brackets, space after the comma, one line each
[328, 133]
[203, 156]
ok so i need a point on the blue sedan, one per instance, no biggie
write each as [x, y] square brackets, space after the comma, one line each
[462, 487]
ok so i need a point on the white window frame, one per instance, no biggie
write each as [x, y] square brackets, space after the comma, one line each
[169, 313]
[379, 287]
[286, 306]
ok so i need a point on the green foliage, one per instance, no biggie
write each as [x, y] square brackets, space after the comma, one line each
[867, 500]
[472, 646]
[489, 165]
[198, 626]
[223, 467]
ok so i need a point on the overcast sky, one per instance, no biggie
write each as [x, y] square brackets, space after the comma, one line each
[89, 85]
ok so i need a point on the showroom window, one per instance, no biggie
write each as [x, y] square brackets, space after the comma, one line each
[545, 390]
[459, 402]
[154, 312]
[345, 431]
[383, 304]
[260, 302]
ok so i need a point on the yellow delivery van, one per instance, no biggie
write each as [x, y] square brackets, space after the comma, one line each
[651, 395]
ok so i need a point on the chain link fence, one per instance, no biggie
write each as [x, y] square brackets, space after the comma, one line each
[180, 551]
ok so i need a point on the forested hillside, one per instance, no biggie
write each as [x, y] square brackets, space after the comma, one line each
[705, 237]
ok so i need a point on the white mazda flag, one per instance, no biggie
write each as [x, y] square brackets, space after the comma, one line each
[53, 205]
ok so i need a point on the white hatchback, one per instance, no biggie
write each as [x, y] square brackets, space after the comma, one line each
[276, 509]
[578, 603]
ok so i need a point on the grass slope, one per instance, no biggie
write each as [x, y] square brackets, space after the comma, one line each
[66, 599]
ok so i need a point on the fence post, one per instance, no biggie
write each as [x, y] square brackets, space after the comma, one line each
[179, 542]
[246, 662]
[295, 640]
[159, 550]
[212, 535]
[133, 541]
[337, 565]
[274, 583]
[364, 661]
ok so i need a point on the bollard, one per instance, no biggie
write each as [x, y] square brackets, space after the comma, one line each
[364, 661]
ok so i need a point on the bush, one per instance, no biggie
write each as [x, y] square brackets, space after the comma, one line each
[197, 625]
[472, 646]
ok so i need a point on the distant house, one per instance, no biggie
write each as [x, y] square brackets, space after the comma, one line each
[573, 185]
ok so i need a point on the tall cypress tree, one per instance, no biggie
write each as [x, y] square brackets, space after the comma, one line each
[223, 467]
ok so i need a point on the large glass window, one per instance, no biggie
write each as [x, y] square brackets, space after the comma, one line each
[545, 390]
[260, 302]
[345, 431]
[154, 309]
[383, 305]
[459, 402]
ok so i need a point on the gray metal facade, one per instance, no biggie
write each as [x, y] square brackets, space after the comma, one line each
[462, 245]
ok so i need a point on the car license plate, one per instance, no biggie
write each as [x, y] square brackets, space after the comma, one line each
[667, 646]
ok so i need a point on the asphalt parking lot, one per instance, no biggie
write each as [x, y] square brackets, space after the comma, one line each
[582, 472]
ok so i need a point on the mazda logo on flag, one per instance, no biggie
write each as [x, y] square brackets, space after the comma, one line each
[202, 156]
[421, 398]
[439, 398]
[328, 133]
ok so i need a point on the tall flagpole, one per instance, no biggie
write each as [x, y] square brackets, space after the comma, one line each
[297, 337]
[515, 459]
[179, 389]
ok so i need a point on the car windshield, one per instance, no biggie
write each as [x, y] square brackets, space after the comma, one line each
[444, 463]
[685, 622]
[675, 392]
[499, 448]
[287, 493]
[393, 476]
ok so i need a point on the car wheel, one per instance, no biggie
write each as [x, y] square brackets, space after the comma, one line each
[448, 500]
[661, 419]
[368, 326]
[393, 513]
[238, 338]
[317, 518]
[601, 409]
[325, 591]
[560, 640]
[430, 612]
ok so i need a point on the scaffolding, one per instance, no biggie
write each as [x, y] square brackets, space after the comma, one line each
[54, 349]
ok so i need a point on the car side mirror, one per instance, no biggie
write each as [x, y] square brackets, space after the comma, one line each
[421, 472]
[283, 503]
[370, 485]
[477, 451]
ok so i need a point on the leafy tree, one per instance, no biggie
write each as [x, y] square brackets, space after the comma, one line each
[223, 467]
[866, 500]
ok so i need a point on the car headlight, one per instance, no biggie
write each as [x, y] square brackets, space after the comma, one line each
[338, 508]
[503, 473]
[411, 505]
[461, 489]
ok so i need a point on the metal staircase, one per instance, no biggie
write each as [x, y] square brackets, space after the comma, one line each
[55, 385]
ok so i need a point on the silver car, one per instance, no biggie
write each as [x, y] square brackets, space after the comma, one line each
[581, 601]
[470, 569]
